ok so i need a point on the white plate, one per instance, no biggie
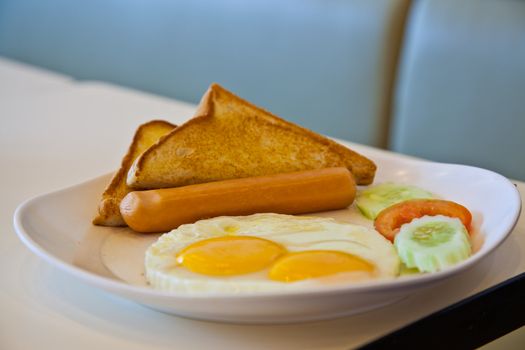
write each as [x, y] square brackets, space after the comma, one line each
[57, 227]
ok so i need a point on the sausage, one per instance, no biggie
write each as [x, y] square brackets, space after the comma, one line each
[291, 193]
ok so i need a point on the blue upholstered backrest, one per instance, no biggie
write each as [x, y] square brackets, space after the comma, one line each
[461, 88]
[328, 65]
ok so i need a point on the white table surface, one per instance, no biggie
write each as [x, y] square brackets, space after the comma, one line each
[17, 78]
[56, 132]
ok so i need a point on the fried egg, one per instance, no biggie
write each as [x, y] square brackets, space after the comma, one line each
[267, 252]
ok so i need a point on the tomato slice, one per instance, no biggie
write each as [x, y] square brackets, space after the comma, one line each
[392, 218]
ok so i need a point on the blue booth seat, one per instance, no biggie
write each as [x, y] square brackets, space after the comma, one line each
[328, 65]
[439, 79]
[461, 88]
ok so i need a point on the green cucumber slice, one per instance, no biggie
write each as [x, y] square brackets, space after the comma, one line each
[372, 200]
[432, 243]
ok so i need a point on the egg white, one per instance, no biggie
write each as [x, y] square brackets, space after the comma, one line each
[296, 233]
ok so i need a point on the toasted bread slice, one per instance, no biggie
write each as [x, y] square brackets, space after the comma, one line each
[145, 136]
[231, 138]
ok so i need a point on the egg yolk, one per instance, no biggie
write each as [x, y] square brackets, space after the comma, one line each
[316, 263]
[229, 255]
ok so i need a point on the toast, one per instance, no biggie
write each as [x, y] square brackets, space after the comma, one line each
[231, 138]
[145, 136]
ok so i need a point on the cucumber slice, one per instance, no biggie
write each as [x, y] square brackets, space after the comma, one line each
[376, 198]
[432, 243]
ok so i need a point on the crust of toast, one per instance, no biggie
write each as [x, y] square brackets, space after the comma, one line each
[145, 136]
[231, 138]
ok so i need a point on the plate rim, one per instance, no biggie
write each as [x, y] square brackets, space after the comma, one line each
[107, 283]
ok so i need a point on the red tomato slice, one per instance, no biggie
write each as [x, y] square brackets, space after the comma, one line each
[392, 218]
